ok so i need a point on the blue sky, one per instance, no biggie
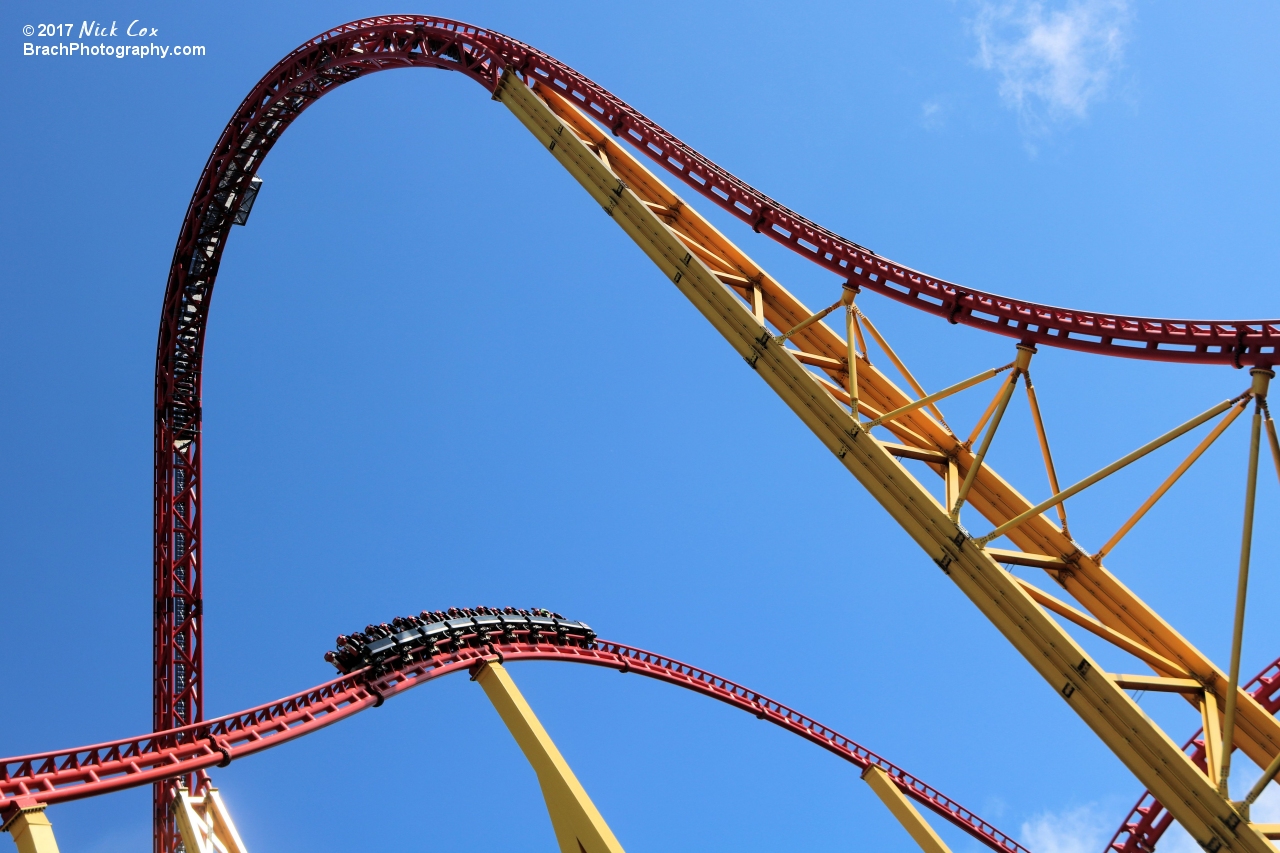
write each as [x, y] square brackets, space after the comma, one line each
[437, 376]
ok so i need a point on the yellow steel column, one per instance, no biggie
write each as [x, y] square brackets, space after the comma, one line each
[1261, 378]
[1023, 360]
[578, 824]
[851, 332]
[1100, 702]
[204, 823]
[32, 831]
[903, 810]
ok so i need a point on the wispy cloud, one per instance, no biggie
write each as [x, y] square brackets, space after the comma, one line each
[1084, 829]
[1053, 63]
[931, 117]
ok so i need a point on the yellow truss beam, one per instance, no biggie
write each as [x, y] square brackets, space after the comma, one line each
[205, 824]
[622, 186]
[578, 824]
[1211, 724]
[1093, 626]
[1156, 684]
[903, 809]
[32, 831]
[1035, 561]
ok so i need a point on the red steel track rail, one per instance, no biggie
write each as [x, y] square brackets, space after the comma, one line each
[405, 41]
[1148, 820]
[56, 777]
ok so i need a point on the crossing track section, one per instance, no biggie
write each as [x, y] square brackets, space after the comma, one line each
[57, 777]
[1147, 820]
[362, 47]
[354, 50]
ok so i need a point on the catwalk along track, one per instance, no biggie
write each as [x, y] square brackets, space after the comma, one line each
[871, 425]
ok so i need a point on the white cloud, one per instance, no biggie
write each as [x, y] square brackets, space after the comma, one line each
[1088, 828]
[1052, 62]
[1084, 829]
[931, 114]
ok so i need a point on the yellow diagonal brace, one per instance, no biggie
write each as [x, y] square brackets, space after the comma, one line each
[815, 402]
[891, 795]
[1274, 442]
[1152, 755]
[1034, 402]
[578, 824]
[1124, 461]
[1195, 454]
[1020, 364]
[32, 831]
[902, 367]
[939, 395]
[1093, 626]
[1261, 785]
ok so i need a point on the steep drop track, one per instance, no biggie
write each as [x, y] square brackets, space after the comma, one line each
[56, 777]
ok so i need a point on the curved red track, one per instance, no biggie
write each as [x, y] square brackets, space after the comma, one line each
[376, 44]
[1148, 820]
[54, 777]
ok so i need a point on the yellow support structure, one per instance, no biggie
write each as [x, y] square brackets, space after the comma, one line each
[32, 831]
[907, 814]
[578, 824]
[625, 190]
[205, 823]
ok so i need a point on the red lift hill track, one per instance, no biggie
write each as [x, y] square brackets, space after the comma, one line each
[871, 425]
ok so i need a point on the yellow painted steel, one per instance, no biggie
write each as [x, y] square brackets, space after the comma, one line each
[578, 825]
[1219, 429]
[851, 333]
[1034, 402]
[1274, 442]
[1024, 358]
[1261, 378]
[1258, 787]
[1022, 558]
[903, 809]
[1157, 662]
[1124, 461]
[1158, 684]
[810, 320]
[32, 831]
[900, 366]
[1211, 724]
[982, 421]
[625, 190]
[205, 824]
[938, 395]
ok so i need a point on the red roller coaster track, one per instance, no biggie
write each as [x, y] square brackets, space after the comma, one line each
[375, 44]
[1148, 820]
[55, 777]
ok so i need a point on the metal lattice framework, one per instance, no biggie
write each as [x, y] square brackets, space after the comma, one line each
[1148, 821]
[868, 422]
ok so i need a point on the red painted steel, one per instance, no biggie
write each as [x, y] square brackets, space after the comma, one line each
[1148, 820]
[362, 47]
[56, 777]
